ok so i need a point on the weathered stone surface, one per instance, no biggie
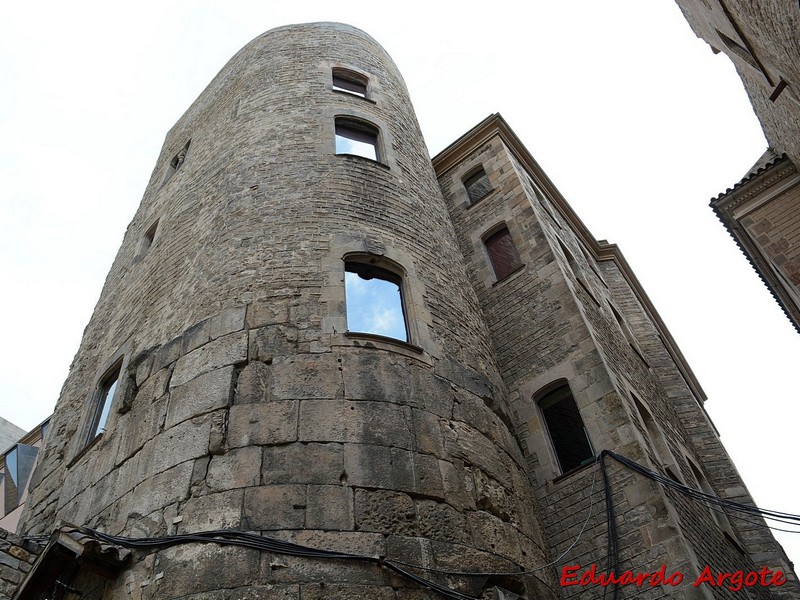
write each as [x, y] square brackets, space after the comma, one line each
[306, 376]
[273, 340]
[379, 423]
[440, 521]
[228, 321]
[385, 511]
[321, 464]
[262, 424]
[228, 350]
[253, 384]
[213, 511]
[241, 467]
[274, 507]
[329, 507]
[223, 567]
[202, 394]
[322, 591]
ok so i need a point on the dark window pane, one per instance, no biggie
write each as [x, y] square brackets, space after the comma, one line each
[503, 254]
[566, 429]
[374, 301]
[357, 139]
[344, 81]
[477, 186]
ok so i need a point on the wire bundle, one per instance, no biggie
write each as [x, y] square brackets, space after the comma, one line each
[233, 537]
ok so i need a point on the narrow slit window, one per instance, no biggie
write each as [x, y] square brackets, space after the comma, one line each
[357, 138]
[477, 185]
[567, 431]
[502, 253]
[149, 236]
[657, 442]
[105, 398]
[349, 82]
[178, 160]
[374, 298]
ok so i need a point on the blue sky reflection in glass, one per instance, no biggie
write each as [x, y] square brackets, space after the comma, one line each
[374, 305]
[357, 140]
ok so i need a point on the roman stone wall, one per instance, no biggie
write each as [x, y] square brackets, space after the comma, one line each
[243, 399]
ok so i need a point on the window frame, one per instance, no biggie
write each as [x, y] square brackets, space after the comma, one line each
[543, 395]
[473, 177]
[361, 128]
[349, 76]
[494, 258]
[106, 390]
[384, 270]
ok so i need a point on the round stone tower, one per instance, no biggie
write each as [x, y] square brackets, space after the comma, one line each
[287, 344]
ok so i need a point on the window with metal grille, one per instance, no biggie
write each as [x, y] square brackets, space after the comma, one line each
[502, 253]
[357, 138]
[477, 185]
[567, 431]
[349, 82]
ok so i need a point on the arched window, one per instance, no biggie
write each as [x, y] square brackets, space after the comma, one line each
[477, 185]
[565, 426]
[358, 138]
[374, 298]
[350, 82]
[502, 253]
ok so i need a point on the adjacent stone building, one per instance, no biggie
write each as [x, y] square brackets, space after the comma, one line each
[326, 366]
[762, 212]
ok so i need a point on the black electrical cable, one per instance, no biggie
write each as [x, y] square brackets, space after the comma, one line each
[232, 537]
[612, 542]
[708, 499]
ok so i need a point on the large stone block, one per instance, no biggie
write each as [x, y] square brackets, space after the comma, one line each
[273, 340]
[202, 394]
[274, 507]
[222, 568]
[379, 423]
[238, 468]
[386, 512]
[329, 507]
[253, 384]
[162, 489]
[228, 350]
[306, 376]
[212, 511]
[373, 466]
[320, 464]
[440, 521]
[262, 424]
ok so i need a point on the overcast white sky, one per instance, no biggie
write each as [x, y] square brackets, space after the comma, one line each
[632, 117]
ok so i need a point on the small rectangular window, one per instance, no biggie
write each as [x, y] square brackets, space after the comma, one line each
[477, 185]
[349, 82]
[374, 298]
[105, 398]
[502, 253]
[357, 138]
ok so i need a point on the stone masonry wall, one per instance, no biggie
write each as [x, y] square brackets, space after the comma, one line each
[16, 557]
[610, 354]
[244, 401]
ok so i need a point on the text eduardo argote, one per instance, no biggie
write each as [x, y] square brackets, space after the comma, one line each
[734, 581]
